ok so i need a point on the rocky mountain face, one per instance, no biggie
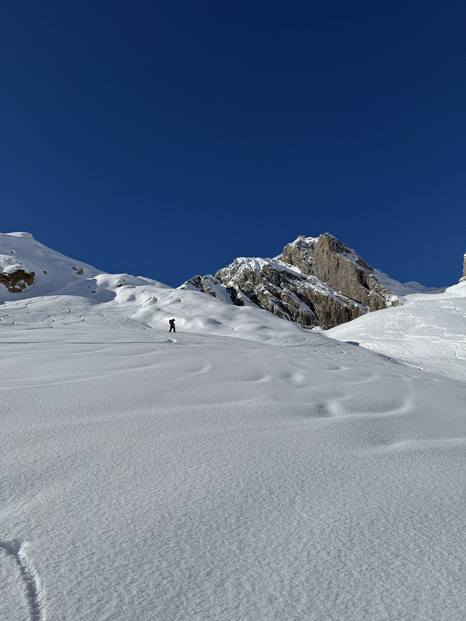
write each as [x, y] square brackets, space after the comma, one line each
[17, 280]
[14, 274]
[315, 282]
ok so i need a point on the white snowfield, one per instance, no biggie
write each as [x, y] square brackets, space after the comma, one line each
[428, 331]
[239, 469]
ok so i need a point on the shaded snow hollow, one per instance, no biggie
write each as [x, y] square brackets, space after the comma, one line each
[242, 468]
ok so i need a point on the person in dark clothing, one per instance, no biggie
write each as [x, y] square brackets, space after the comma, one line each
[172, 325]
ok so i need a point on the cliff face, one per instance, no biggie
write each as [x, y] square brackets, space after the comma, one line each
[315, 282]
[344, 270]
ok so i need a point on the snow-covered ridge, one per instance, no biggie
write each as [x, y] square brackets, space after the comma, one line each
[50, 270]
[65, 291]
[19, 234]
[64, 288]
[55, 273]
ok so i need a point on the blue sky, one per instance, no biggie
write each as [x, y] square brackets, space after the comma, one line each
[165, 139]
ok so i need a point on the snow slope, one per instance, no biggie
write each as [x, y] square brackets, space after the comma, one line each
[242, 468]
[66, 291]
[427, 331]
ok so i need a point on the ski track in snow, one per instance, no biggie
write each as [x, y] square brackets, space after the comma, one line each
[17, 552]
[427, 332]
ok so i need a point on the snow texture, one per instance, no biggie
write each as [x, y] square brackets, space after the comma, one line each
[240, 469]
[427, 331]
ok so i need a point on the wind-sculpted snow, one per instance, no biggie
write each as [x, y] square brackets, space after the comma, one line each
[240, 469]
[191, 476]
[428, 332]
[22, 576]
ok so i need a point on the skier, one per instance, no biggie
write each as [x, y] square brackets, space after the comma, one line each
[172, 325]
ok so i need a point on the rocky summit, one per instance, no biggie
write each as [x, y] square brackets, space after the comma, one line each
[314, 282]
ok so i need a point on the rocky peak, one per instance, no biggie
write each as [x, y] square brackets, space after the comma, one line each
[314, 281]
[344, 270]
[299, 254]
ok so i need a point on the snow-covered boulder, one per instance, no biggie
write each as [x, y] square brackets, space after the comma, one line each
[16, 279]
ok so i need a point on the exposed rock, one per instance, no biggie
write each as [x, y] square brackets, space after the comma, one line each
[300, 254]
[343, 269]
[17, 281]
[315, 282]
[202, 283]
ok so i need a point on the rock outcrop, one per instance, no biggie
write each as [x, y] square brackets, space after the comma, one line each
[315, 282]
[17, 281]
[344, 270]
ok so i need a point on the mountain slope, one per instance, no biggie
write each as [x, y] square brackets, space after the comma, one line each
[427, 331]
[66, 292]
[282, 475]
[52, 273]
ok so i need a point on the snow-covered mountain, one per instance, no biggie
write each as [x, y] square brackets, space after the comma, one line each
[241, 468]
[314, 281]
[28, 269]
[42, 279]
[61, 291]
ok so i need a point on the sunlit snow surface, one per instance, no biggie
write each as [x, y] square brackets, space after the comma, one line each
[427, 331]
[240, 469]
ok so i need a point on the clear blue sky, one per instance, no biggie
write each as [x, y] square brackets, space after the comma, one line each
[165, 139]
